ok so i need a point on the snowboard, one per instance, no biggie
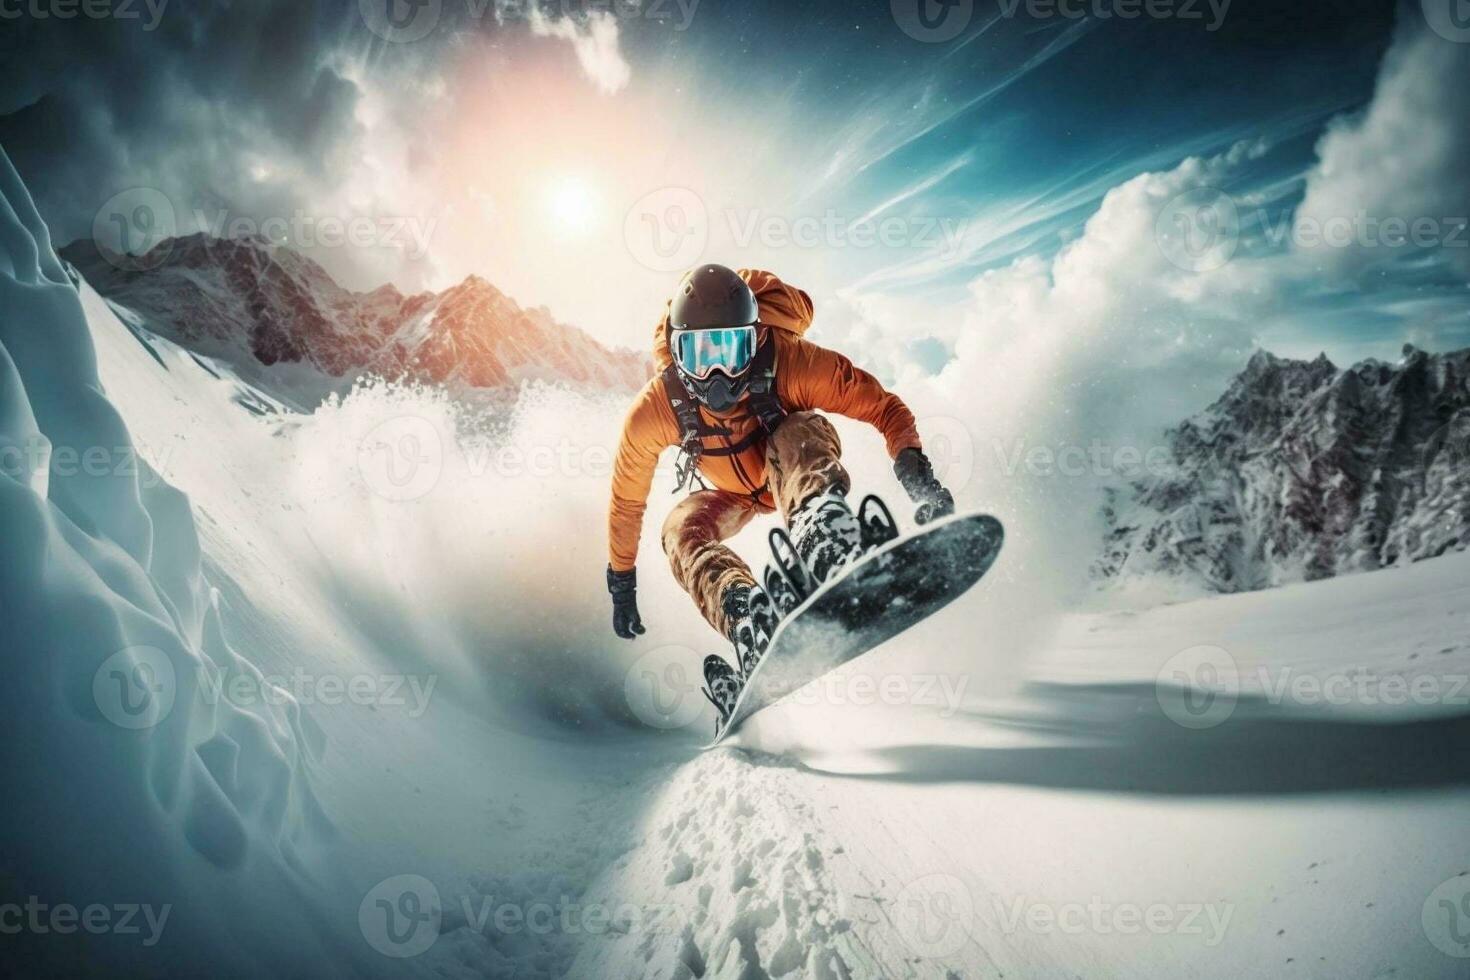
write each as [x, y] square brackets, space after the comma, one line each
[874, 599]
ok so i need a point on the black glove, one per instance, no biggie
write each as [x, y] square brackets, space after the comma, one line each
[916, 475]
[624, 589]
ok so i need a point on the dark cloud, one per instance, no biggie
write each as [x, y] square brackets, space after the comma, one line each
[96, 105]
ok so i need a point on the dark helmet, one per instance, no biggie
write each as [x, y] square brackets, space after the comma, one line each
[713, 334]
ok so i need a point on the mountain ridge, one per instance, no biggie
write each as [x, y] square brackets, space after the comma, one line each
[248, 297]
[1301, 471]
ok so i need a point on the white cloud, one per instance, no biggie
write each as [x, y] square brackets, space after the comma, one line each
[1407, 157]
[1062, 344]
[595, 41]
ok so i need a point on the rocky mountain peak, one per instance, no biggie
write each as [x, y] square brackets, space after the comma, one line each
[247, 298]
[1301, 471]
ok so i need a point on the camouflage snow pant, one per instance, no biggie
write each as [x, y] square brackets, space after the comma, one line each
[803, 459]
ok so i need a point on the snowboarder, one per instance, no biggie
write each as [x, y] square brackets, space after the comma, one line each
[739, 391]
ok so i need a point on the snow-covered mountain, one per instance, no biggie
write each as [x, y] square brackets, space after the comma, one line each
[248, 298]
[1304, 471]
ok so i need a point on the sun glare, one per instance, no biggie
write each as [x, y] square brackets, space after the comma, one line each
[573, 205]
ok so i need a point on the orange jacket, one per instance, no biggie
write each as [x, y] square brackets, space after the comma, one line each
[808, 378]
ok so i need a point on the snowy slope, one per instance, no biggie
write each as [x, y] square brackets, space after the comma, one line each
[1033, 833]
[127, 782]
[328, 705]
[513, 793]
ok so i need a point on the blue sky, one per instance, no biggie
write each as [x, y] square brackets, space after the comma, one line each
[576, 158]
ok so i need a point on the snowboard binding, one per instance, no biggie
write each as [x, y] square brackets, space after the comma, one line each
[752, 620]
[788, 579]
[755, 611]
[876, 523]
[721, 688]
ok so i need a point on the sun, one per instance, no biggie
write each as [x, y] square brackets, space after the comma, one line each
[574, 205]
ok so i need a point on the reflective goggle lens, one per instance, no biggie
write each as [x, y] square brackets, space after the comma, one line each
[701, 351]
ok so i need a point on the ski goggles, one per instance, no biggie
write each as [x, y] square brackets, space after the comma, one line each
[701, 352]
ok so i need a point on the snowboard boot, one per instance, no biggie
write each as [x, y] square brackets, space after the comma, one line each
[721, 687]
[826, 535]
[752, 620]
